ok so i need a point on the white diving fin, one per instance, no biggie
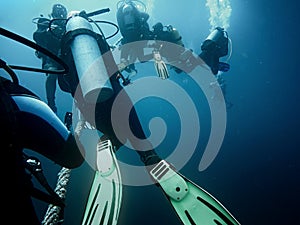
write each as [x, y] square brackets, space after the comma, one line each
[193, 205]
[104, 201]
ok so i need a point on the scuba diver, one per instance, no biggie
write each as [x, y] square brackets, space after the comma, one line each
[134, 27]
[102, 104]
[28, 123]
[49, 36]
[95, 96]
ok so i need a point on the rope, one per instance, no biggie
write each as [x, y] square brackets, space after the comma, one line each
[52, 216]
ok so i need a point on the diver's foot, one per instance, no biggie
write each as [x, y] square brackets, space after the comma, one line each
[151, 161]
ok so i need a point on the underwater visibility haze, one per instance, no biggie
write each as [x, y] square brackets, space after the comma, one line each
[255, 172]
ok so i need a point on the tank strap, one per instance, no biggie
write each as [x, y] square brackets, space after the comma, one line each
[72, 34]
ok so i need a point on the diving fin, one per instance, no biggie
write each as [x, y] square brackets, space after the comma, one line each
[193, 205]
[104, 202]
[160, 65]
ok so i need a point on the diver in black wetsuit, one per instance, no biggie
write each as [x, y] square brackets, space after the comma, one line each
[28, 123]
[49, 37]
[133, 25]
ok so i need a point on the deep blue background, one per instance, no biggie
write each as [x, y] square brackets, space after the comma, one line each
[256, 173]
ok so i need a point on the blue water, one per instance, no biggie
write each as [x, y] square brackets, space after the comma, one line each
[256, 173]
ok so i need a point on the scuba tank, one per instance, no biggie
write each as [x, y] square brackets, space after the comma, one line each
[216, 41]
[90, 66]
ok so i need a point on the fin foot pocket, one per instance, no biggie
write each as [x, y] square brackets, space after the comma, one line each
[192, 203]
[104, 201]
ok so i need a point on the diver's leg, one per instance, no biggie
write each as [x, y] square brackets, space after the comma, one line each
[125, 52]
[128, 57]
[136, 135]
[145, 150]
[105, 115]
[50, 91]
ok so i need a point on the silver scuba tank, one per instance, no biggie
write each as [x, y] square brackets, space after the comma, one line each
[92, 73]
